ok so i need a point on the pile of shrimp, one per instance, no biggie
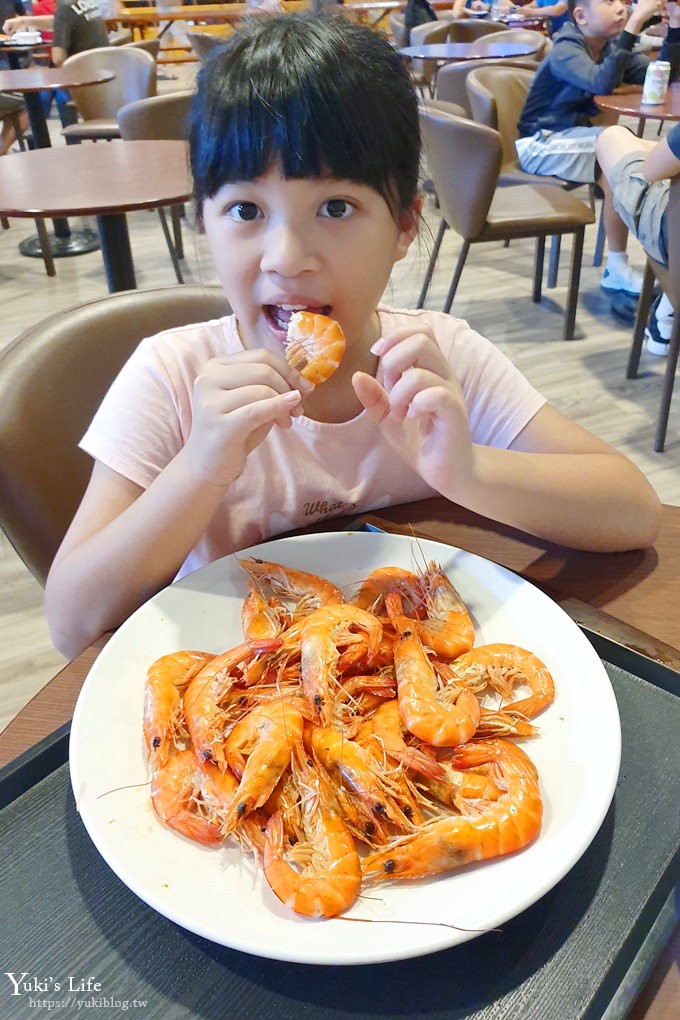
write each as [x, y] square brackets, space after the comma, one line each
[346, 739]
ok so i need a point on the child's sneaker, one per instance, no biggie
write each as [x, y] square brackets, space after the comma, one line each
[658, 331]
[622, 277]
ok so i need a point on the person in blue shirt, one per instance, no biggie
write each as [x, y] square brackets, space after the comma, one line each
[556, 13]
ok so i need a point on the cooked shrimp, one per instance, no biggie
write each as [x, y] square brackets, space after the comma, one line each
[448, 629]
[321, 633]
[383, 735]
[163, 718]
[205, 699]
[176, 794]
[425, 710]
[258, 750]
[315, 345]
[306, 591]
[489, 830]
[372, 591]
[503, 666]
[358, 772]
[329, 876]
[262, 621]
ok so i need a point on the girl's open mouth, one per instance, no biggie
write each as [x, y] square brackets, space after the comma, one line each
[280, 315]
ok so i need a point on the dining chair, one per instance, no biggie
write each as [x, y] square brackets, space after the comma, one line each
[451, 79]
[52, 379]
[669, 280]
[463, 30]
[497, 96]
[161, 117]
[203, 43]
[529, 36]
[151, 45]
[465, 160]
[98, 105]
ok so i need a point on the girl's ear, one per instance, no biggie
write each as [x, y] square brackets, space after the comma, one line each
[410, 223]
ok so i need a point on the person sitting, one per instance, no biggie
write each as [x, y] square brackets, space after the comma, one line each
[418, 12]
[75, 27]
[556, 13]
[639, 173]
[591, 55]
[14, 120]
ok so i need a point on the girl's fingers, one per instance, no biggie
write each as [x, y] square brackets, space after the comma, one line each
[412, 350]
[252, 367]
[372, 396]
[414, 382]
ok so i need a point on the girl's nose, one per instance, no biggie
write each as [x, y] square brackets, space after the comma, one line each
[287, 251]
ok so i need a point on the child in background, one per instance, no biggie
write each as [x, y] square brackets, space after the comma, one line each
[305, 153]
[590, 56]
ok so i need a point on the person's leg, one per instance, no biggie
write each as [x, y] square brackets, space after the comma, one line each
[7, 136]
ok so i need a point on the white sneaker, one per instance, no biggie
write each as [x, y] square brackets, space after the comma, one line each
[622, 277]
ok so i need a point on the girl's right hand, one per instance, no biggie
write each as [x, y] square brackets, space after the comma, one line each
[236, 401]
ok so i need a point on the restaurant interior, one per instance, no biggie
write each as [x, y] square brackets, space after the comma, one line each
[584, 377]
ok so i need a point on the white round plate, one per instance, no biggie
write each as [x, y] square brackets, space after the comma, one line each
[221, 894]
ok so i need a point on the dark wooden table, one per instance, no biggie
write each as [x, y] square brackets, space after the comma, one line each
[14, 50]
[632, 597]
[483, 48]
[102, 180]
[630, 104]
[32, 81]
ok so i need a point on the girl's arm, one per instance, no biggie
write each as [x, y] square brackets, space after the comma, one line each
[556, 481]
[126, 543]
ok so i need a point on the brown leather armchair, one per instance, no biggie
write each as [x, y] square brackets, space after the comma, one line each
[465, 161]
[162, 117]
[669, 279]
[497, 96]
[52, 379]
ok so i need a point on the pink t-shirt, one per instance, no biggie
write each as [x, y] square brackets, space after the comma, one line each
[315, 470]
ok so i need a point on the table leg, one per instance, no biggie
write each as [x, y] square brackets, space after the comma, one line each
[116, 252]
[64, 242]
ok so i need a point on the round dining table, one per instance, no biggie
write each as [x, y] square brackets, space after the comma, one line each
[101, 180]
[15, 50]
[629, 104]
[31, 81]
[480, 49]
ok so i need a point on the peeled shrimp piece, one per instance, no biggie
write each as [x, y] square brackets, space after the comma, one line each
[315, 346]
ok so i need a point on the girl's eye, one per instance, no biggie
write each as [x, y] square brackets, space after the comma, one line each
[243, 212]
[337, 209]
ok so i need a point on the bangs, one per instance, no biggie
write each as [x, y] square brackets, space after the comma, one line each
[286, 92]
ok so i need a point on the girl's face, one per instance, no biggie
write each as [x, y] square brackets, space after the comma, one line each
[317, 243]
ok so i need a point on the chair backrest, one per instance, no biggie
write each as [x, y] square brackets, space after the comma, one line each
[398, 29]
[152, 46]
[121, 37]
[203, 43]
[455, 30]
[135, 72]
[464, 161]
[451, 79]
[162, 117]
[497, 96]
[531, 38]
[52, 379]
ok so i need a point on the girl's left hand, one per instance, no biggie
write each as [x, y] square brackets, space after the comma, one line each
[420, 408]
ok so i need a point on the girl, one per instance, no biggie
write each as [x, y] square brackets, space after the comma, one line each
[305, 153]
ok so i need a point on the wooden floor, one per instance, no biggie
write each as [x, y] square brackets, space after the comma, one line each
[583, 378]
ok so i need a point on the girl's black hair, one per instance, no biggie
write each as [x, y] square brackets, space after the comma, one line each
[317, 95]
